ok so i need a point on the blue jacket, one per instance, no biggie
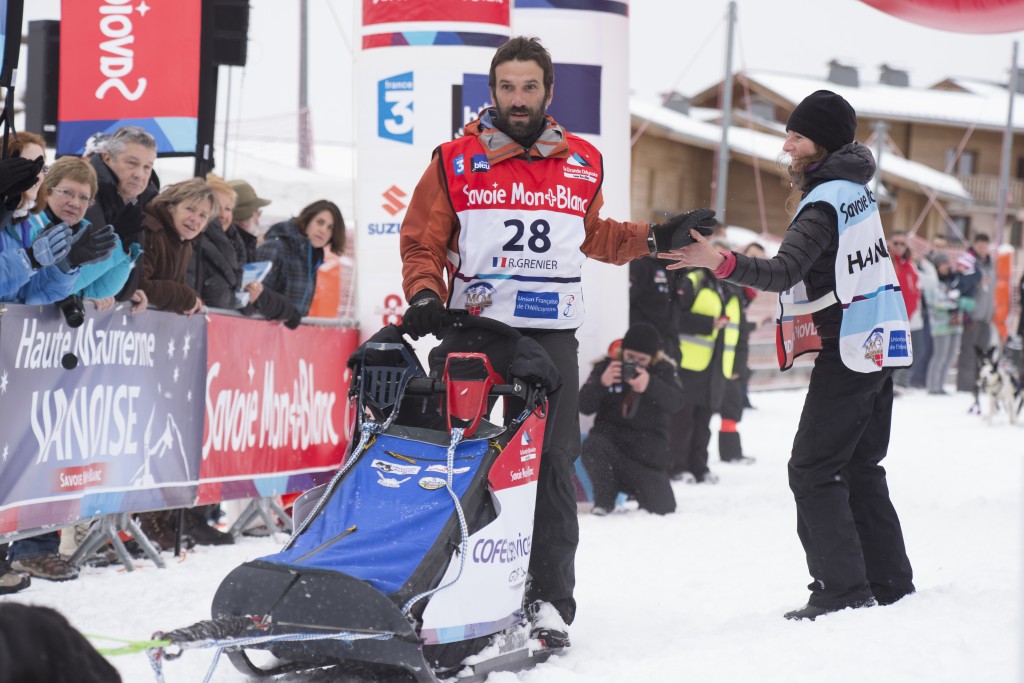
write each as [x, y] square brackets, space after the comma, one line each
[96, 280]
[19, 281]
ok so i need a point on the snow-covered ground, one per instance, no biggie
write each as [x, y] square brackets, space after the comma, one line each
[699, 595]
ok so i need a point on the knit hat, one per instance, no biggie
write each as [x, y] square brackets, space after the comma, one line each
[938, 259]
[826, 118]
[247, 202]
[643, 338]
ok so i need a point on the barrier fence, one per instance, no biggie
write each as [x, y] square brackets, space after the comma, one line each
[130, 413]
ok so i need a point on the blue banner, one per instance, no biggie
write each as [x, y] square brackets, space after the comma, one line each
[99, 419]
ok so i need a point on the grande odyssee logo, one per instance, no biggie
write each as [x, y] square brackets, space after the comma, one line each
[395, 119]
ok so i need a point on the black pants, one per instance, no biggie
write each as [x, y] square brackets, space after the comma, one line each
[690, 434]
[845, 520]
[611, 471]
[556, 531]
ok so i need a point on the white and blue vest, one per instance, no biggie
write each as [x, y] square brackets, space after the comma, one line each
[874, 332]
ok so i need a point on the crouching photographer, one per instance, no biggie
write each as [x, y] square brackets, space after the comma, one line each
[632, 394]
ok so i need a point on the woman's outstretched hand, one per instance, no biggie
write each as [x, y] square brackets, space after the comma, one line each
[699, 254]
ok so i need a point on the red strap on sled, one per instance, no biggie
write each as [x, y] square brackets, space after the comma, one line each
[468, 378]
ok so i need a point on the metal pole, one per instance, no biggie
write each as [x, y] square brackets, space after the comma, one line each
[722, 181]
[305, 158]
[881, 129]
[1004, 160]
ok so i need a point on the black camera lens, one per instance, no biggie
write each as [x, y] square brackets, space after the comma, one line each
[628, 370]
[73, 310]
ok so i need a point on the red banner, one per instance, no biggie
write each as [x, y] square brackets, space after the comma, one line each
[124, 62]
[404, 11]
[119, 59]
[276, 406]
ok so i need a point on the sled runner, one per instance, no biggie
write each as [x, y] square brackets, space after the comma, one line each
[411, 564]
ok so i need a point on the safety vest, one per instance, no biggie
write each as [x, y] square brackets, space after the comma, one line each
[697, 349]
[874, 332]
[521, 231]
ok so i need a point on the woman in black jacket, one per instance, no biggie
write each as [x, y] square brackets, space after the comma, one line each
[835, 246]
[296, 248]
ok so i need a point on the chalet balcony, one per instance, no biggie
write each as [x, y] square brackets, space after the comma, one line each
[985, 190]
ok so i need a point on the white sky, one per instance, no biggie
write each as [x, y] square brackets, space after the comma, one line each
[673, 45]
[699, 595]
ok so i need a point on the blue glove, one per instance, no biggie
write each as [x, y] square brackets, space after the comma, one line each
[91, 245]
[51, 245]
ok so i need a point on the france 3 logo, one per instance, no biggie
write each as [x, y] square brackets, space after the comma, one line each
[395, 108]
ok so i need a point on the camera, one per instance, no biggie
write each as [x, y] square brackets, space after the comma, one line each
[628, 370]
[73, 310]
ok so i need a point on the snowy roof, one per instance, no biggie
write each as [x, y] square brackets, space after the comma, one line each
[767, 147]
[985, 106]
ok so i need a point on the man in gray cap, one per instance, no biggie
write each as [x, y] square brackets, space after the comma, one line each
[246, 216]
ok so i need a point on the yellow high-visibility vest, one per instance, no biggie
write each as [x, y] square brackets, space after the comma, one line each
[697, 349]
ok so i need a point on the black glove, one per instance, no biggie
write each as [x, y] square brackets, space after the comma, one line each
[293, 320]
[17, 175]
[129, 224]
[91, 245]
[50, 246]
[675, 232]
[424, 315]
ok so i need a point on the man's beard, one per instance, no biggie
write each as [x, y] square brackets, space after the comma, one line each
[525, 133]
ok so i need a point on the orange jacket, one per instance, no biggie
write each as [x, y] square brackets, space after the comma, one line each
[431, 229]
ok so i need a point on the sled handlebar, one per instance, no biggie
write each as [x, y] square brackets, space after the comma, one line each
[461, 318]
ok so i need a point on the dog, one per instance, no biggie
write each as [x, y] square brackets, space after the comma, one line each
[1000, 386]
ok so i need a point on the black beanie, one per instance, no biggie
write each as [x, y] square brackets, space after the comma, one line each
[825, 118]
[642, 337]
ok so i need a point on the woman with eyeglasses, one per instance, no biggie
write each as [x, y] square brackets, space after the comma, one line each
[102, 266]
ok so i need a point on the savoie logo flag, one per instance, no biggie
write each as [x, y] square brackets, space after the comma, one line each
[129, 63]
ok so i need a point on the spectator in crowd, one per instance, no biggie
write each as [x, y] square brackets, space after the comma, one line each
[709, 322]
[214, 270]
[24, 259]
[753, 250]
[730, 447]
[943, 299]
[921, 329]
[68, 191]
[978, 292]
[651, 300]
[28, 257]
[52, 252]
[172, 220]
[296, 248]
[846, 521]
[906, 273]
[124, 168]
[246, 217]
[632, 393]
[1020, 308]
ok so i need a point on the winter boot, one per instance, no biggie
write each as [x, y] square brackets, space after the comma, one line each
[201, 530]
[161, 529]
[547, 625]
[51, 567]
[731, 450]
[12, 582]
[811, 612]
